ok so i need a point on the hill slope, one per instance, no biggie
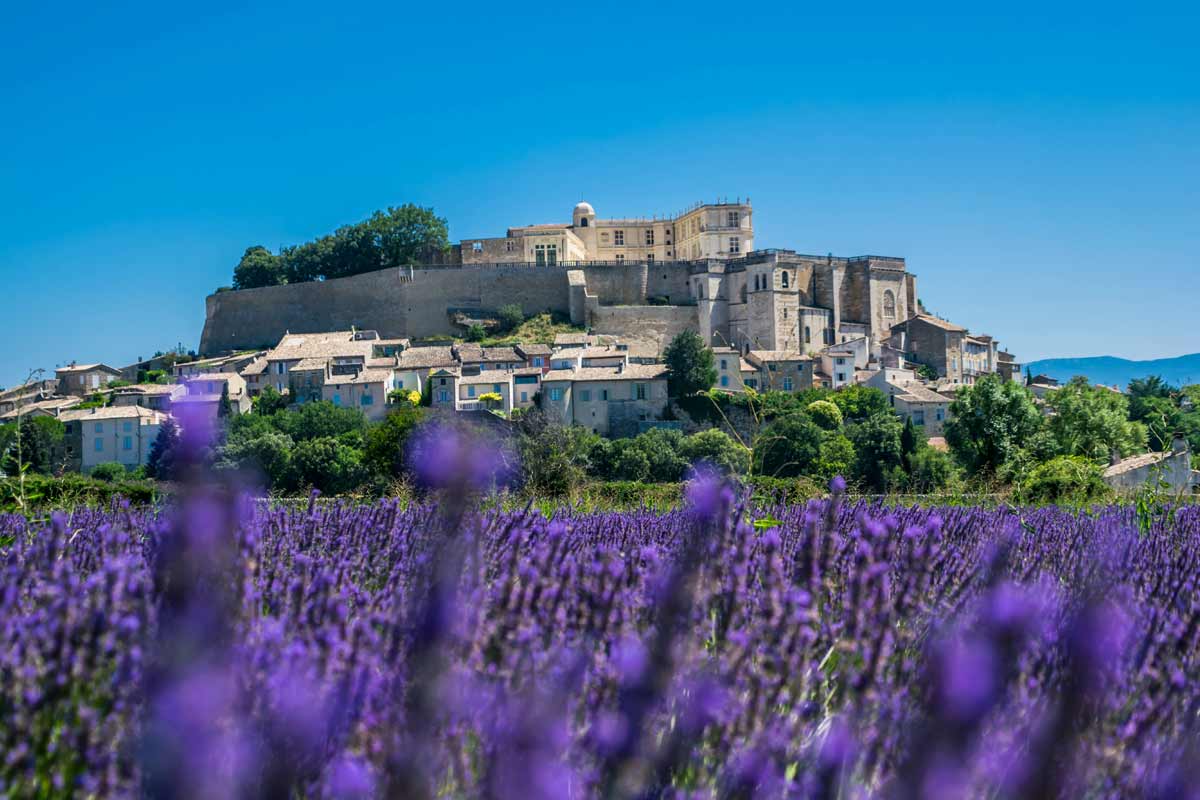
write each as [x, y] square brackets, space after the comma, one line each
[1110, 370]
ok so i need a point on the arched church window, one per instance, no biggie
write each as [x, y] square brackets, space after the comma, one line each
[889, 304]
[583, 223]
[785, 279]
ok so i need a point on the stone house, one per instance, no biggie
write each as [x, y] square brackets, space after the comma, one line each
[236, 362]
[610, 401]
[781, 370]
[1173, 467]
[443, 382]
[730, 368]
[414, 365]
[366, 389]
[84, 379]
[154, 396]
[472, 387]
[535, 355]
[26, 393]
[117, 434]
[50, 407]
[934, 342]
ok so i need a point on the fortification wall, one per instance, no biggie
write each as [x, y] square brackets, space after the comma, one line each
[259, 317]
[403, 302]
[646, 324]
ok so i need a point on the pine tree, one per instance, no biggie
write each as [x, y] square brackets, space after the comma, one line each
[908, 444]
[161, 463]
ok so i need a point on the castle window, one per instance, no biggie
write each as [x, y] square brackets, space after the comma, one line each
[620, 258]
[733, 218]
[583, 223]
[785, 313]
[650, 258]
[477, 247]
[785, 279]
[735, 244]
[619, 238]
[807, 335]
[650, 236]
[509, 245]
[889, 304]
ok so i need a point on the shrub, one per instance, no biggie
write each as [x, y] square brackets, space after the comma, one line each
[510, 317]
[476, 333]
[826, 414]
[1064, 479]
[717, 448]
[109, 472]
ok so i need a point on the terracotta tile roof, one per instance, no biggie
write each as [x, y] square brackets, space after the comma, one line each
[256, 367]
[112, 412]
[495, 376]
[632, 372]
[86, 368]
[426, 358]
[363, 376]
[528, 350]
[938, 322]
[1135, 462]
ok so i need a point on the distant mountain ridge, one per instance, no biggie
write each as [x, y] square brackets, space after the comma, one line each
[1110, 370]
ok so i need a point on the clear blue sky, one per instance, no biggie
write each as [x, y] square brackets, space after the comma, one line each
[1039, 166]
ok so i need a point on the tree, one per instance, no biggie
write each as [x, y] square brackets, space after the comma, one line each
[109, 472]
[475, 332]
[320, 419]
[877, 450]
[400, 236]
[1093, 422]
[224, 410]
[836, 456]
[384, 448]
[908, 444]
[1072, 479]
[328, 465]
[268, 455]
[717, 448]
[510, 317]
[37, 439]
[788, 447]
[630, 462]
[859, 402]
[661, 446]
[691, 364]
[826, 414]
[989, 422]
[269, 401]
[258, 267]
[161, 462]
[554, 457]
[931, 470]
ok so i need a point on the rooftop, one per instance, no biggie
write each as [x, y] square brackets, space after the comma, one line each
[112, 412]
[632, 372]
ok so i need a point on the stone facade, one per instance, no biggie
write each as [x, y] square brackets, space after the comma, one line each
[643, 280]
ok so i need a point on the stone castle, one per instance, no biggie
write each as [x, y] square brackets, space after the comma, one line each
[642, 279]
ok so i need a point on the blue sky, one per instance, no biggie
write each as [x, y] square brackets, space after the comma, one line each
[1039, 167]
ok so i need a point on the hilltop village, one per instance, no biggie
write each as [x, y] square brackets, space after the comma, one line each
[613, 295]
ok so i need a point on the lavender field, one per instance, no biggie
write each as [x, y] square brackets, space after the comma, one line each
[222, 649]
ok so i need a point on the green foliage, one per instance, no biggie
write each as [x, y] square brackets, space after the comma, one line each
[72, 490]
[859, 402]
[926, 372]
[1093, 422]
[510, 317]
[404, 397]
[267, 456]
[258, 267]
[554, 458]
[400, 236]
[790, 491]
[836, 457]
[932, 471]
[691, 364]
[909, 441]
[161, 461]
[1064, 479]
[320, 419]
[31, 447]
[109, 472]
[384, 444]
[788, 447]
[475, 333]
[878, 451]
[327, 464]
[716, 448]
[269, 401]
[826, 414]
[990, 422]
